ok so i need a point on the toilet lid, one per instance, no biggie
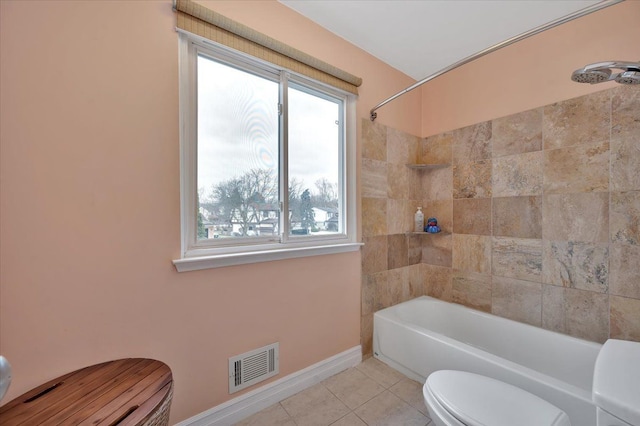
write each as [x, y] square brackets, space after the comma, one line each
[616, 380]
[481, 401]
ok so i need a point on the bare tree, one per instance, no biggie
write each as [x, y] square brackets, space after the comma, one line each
[237, 200]
[295, 192]
[327, 195]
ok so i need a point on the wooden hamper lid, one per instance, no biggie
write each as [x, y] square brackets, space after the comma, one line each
[122, 392]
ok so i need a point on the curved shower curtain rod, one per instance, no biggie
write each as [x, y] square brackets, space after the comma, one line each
[541, 28]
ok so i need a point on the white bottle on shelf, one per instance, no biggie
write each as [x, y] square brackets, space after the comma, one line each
[418, 221]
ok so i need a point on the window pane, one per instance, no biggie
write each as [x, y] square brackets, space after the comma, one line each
[237, 153]
[314, 163]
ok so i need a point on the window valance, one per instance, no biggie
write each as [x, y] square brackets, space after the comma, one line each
[199, 20]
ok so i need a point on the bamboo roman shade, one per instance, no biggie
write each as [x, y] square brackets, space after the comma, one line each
[206, 23]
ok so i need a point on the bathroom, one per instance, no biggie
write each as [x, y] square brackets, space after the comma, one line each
[90, 198]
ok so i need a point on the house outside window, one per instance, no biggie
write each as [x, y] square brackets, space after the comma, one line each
[267, 159]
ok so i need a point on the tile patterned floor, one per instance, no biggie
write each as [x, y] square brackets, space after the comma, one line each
[370, 394]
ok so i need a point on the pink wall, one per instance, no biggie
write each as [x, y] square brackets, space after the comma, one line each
[89, 198]
[533, 72]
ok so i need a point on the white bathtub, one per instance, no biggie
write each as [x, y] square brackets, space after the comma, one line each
[424, 335]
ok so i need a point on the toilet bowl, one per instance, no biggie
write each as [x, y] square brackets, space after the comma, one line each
[616, 384]
[459, 398]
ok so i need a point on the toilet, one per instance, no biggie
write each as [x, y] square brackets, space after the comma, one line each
[616, 384]
[459, 398]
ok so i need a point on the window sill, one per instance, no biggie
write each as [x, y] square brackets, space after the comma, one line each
[231, 259]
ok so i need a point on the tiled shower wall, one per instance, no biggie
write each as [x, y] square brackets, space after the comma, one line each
[540, 213]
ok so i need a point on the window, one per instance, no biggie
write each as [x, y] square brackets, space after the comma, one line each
[267, 161]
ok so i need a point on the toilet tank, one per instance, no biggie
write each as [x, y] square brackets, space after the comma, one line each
[616, 381]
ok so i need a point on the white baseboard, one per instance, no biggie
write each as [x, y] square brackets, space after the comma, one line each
[250, 403]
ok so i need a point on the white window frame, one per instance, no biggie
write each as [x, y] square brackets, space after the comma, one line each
[197, 255]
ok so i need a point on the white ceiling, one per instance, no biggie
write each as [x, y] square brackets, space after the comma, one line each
[421, 37]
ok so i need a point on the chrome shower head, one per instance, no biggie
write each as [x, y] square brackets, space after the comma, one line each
[592, 77]
[601, 72]
[629, 77]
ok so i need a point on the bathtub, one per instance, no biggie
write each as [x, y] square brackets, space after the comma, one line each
[425, 334]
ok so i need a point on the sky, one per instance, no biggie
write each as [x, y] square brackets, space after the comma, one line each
[239, 131]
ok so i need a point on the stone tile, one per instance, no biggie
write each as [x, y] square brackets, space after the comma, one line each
[436, 184]
[374, 254]
[404, 275]
[402, 148]
[519, 217]
[625, 112]
[517, 258]
[625, 162]
[625, 138]
[414, 248]
[471, 289]
[349, 420]
[442, 210]
[416, 281]
[438, 281]
[380, 283]
[576, 121]
[415, 185]
[436, 249]
[553, 308]
[405, 284]
[315, 406]
[472, 143]
[472, 216]
[374, 140]
[366, 334]
[471, 253]
[410, 392]
[400, 216]
[353, 387]
[576, 217]
[517, 175]
[389, 289]
[374, 178]
[398, 251]
[398, 282]
[625, 318]
[624, 275]
[517, 300]
[380, 372]
[583, 168]
[437, 149]
[584, 266]
[517, 133]
[625, 217]
[579, 313]
[472, 180]
[374, 216]
[271, 416]
[387, 409]
[368, 295]
[399, 179]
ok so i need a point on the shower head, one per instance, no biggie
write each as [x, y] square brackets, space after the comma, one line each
[592, 77]
[628, 77]
[602, 71]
